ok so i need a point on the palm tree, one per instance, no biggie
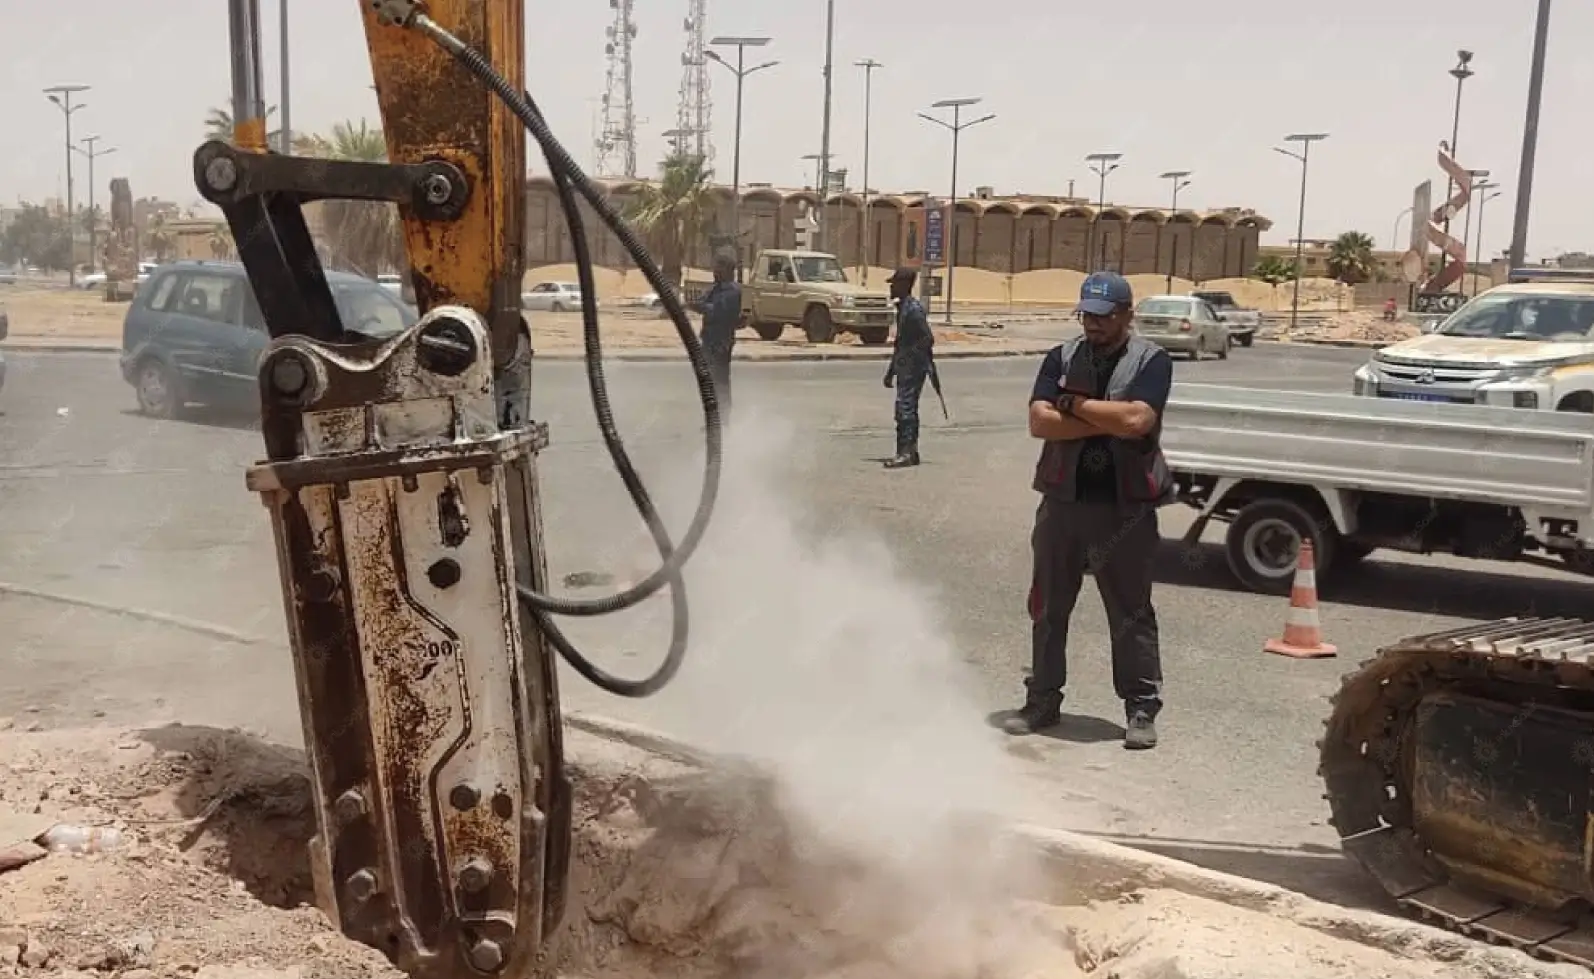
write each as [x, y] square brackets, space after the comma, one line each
[1350, 258]
[676, 211]
[1273, 270]
[362, 235]
[218, 125]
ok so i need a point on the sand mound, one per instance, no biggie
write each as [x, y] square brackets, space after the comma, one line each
[678, 872]
[1364, 326]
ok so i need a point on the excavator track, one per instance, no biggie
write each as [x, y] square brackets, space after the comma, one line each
[1459, 768]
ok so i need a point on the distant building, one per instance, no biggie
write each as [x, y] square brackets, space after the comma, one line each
[999, 233]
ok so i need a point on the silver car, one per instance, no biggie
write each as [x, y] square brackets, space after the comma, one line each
[1182, 324]
[552, 297]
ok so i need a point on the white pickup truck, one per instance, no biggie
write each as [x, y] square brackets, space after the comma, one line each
[1528, 343]
[1357, 474]
[1242, 323]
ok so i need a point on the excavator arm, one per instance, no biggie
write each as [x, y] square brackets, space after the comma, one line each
[400, 477]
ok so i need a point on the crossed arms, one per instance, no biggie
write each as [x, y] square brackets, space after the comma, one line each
[1130, 419]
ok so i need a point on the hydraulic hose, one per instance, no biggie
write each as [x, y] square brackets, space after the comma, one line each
[568, 180]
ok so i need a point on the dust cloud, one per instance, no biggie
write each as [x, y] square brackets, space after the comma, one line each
[814, 654]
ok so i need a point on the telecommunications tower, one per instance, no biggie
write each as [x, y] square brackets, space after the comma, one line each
[616, 149]
[694, 117]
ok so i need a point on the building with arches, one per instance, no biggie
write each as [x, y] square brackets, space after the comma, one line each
[1000, 234]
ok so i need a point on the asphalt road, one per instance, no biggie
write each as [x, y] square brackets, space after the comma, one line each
[138, 584]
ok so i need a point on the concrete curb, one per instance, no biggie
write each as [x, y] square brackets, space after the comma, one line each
[631, 355]
[1089, 869]
[1328, 342]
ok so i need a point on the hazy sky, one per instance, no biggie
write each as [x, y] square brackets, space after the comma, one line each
[1171, 84]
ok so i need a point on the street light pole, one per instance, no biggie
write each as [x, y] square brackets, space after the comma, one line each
[1180, 180]
[868, 65]
[1483, 190]
[92, 155]
[1461, 72]
[1530, 138]
[741, 71]
[957, 125]
[1101, 164]
[285, 138]
[824, 137]
[61, 95]
[1476, 179]
[1306, 140]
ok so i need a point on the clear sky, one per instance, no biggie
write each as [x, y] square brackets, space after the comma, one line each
[1171, 84]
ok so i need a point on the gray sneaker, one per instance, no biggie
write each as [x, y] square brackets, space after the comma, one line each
[1032, 718]
[1141, 733]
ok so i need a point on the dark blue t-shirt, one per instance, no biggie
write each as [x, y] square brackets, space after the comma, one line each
[1097, 477]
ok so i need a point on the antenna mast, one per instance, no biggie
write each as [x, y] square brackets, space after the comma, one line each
[616, 149]
[695, 114]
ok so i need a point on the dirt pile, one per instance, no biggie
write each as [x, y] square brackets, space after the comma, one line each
[679, 872]
[1357, 325]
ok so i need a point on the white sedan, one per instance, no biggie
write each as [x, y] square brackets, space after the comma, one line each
[552, 297]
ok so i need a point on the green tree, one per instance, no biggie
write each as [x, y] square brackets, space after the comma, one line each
[38, 236]
[218, 125]
[676, 211]
[1350, 258]
[1273, 270]
[365, 236]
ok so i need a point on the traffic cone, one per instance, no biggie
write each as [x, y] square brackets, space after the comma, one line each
[1303, 634]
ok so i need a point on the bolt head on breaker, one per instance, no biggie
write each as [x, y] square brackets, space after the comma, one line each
[392, 505]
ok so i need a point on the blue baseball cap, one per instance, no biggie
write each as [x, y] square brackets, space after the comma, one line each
[1103, 292]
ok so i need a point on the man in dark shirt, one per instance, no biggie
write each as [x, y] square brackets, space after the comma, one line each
[912, 360]
[721, 307]
[1097, 405]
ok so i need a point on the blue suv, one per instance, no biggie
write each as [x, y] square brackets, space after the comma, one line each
[195, 333]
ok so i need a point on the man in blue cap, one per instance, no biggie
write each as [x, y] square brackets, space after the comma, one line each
[1097, 408]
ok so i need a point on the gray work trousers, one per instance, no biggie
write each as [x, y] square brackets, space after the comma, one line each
[1118, 547]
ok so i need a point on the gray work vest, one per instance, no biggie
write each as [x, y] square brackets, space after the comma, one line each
[1143, 476]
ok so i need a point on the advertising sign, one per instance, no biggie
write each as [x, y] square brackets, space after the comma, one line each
[934, 233]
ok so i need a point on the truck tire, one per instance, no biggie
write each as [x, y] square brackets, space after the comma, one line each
[818, 326]
[769, 331]
[874, 336]
[1264, 539]
[1246, 338]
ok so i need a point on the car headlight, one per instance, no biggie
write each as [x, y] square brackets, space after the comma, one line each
[847, 302]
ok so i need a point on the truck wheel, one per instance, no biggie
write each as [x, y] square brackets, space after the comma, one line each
[874, 336]
[1265, 539]
[818, 325]
[1245, 341]
[769, 331]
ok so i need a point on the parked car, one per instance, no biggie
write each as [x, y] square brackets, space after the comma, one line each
[7, 276]
[194, 333]
[1242, 323]
[1182, 324]
[552, 297]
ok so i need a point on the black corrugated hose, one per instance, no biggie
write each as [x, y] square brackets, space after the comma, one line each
[568, 181]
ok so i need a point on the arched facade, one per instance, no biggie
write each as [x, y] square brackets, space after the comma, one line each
[1006, 235]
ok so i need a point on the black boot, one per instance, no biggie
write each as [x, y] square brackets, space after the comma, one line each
[907, 455]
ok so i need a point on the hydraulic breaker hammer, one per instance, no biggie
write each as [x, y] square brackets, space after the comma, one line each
[400, 476]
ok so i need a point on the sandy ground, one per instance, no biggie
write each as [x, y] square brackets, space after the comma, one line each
[64, 316]
[1359, 325]
[678, 872]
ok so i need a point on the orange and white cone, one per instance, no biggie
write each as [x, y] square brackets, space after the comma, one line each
[1303, 634]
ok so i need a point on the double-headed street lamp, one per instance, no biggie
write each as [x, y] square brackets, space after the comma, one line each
[1181, 180]
[1461, 72]
[1101, 164]
[868, 65]
[1485, 192]
[956, 126]
[61, 95]
[741, 71]
[93, 154]
[1306, 140]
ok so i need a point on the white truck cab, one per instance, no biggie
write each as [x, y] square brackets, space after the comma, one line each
[1526, 344]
